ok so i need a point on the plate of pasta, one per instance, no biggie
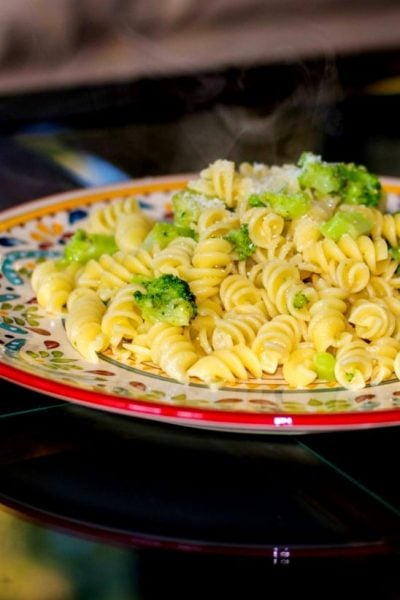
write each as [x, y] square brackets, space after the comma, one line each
[249, 298]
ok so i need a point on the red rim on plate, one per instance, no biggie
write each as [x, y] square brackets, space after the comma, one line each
[37, 225]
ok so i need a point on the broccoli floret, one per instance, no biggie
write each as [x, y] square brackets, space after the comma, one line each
[288, 206]
[167, 299]
[188, 205]
[84, 246]
[241, 241]
[162, 234]
[352, 223]
[322, 177]
[360, 186]
[354, 184]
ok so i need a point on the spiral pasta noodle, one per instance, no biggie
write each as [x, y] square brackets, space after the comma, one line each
[353, 365]
[107, 274]
[175, 258]
[216, 222]
[275, 340]
[53, 284]
[122, 317]
[131, 231]
[210, 261]
[306, 292]
[227, 365]
[83, 323]
[105, 219]
[264, 225]
[172, 350]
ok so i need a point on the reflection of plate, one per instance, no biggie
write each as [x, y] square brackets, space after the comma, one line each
[278, 554]
[78, 484]
[36, 354]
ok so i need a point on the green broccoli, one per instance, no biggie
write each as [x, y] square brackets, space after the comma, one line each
[324, 365]
[352, 183]
[162, 234]
[256, 200]
[188, 205]
[167, 299]
[320, 176]
[361, 187]
[395, 253]
[241, 241]
[300, 300]
[84, 246]
[352, 223]
[288, 206]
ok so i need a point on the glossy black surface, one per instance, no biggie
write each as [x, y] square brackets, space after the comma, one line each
[96, 505]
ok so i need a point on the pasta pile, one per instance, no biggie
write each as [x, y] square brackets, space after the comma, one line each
[299, 299]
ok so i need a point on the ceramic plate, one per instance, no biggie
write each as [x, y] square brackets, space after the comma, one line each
[35, 353]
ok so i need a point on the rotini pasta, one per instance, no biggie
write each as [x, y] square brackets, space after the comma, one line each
[307, 290]
[106, 218]
[83, 323]
[131, 231]
[52, 284]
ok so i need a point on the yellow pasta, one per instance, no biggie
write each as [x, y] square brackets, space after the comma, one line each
[275, 340]
[227, 365]
[353, 365]
[372, 319]
[172, 350]
[384, 352]
[106, 218]
[122, 317]
[53, 283]
[237, 326]
[298, 369]
[220, 179]
[175, 258]
[109, 273]
[83, 323]
[264, 225]
[276, 289]
[216, 222]
[210, 262]
[131, 230]
[236, 290]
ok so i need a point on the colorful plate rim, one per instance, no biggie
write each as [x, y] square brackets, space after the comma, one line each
[210, 418]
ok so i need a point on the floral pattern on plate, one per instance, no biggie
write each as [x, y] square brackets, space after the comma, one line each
[34, 350]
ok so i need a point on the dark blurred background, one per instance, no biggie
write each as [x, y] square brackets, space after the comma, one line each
[92, 92]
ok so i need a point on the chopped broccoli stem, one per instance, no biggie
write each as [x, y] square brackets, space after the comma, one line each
[324, 365]
[162, 234]
[288, 206]
[352, 223]
[300, 300]
[188, 205]
[167, 299]
[84, 246]
[241, 242]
